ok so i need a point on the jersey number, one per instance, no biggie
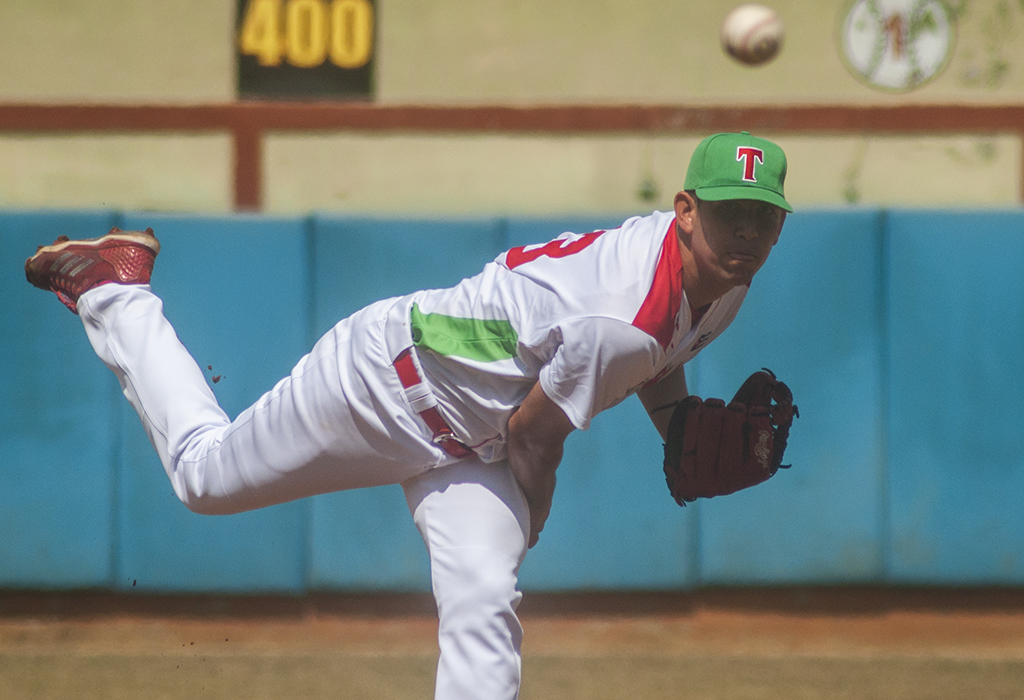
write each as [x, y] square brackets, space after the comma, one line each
[557, 248]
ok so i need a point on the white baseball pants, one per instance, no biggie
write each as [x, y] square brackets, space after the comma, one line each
[339, 421]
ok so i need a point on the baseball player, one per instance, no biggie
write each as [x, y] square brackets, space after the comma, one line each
[464, 396]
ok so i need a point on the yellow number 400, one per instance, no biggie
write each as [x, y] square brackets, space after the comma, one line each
[308, 32]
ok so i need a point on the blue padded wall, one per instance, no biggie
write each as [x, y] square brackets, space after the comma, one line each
[612, 523]
[57, 442]
[956, 443]
[236, 290]
[814, 316]
[900, 333]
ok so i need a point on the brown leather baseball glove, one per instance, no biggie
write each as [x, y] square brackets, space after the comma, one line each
[714, 449]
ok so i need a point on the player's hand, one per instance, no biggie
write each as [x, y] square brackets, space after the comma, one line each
[536, 436]
[534, 471]
[540, 508]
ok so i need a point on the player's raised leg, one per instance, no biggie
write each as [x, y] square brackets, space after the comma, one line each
[312, 433]
[475, 522]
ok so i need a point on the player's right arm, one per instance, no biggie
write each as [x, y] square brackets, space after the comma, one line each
[536, 438]
[665, 391]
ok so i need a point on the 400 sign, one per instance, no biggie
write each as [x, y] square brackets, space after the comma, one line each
[320, 49]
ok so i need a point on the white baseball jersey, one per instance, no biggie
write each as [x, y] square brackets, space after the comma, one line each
[593, 317]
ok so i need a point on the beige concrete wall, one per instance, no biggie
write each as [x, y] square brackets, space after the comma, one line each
[117, 51]
[954, 171]
[490, 51]
[620, 174]
[138, 172]
[663, 51]
[471, 51]
[472, 174]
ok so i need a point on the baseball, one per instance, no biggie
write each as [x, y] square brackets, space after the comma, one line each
[752, 34]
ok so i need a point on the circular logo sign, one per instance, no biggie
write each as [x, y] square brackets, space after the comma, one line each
[896, 45]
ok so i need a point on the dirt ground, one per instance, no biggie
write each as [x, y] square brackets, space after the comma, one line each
[737, 644]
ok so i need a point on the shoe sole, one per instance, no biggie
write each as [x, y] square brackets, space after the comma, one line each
[142, 239]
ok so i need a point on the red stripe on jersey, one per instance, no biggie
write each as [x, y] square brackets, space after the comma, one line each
[657, 315]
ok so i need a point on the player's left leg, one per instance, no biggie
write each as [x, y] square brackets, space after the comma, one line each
[475, 522]
[338, 421]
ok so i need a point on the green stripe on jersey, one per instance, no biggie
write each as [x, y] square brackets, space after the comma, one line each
[471, 338]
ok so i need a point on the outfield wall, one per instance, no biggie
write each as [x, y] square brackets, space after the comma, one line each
[899, 331]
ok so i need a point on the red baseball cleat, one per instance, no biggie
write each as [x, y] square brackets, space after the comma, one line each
[70, 268]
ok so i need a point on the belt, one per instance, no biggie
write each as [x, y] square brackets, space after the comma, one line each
[424, 403]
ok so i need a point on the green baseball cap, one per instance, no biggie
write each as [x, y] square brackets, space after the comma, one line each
[738, 166]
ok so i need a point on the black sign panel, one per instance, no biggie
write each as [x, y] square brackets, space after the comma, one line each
[313, 49]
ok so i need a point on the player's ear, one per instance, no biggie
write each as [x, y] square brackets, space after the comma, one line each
[686, 211]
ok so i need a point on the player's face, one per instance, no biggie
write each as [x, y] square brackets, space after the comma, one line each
[731, 240]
